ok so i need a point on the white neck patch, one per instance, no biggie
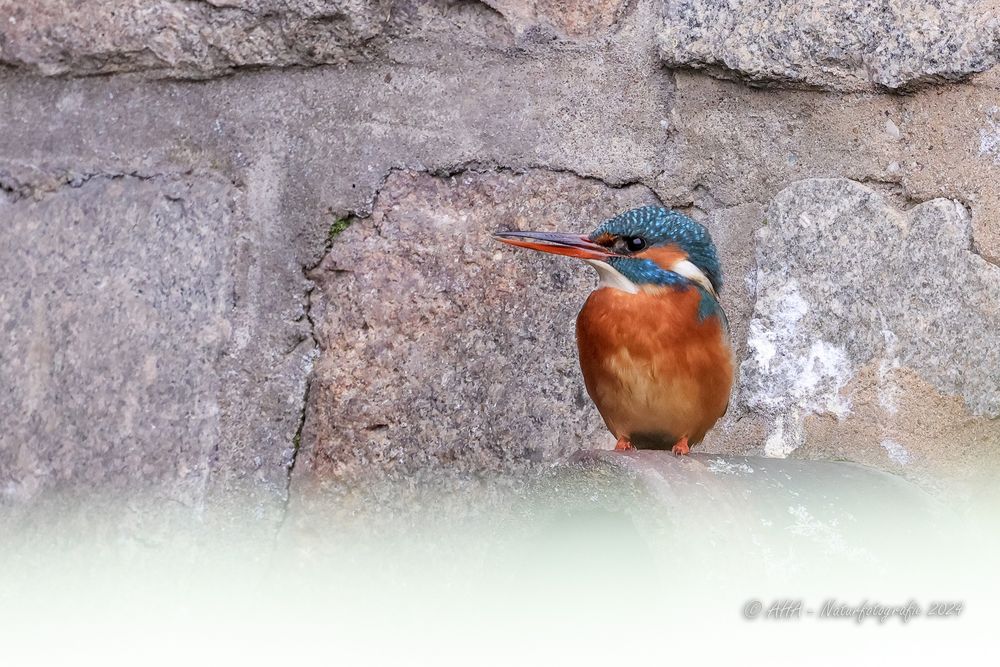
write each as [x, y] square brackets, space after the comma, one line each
[693, 273]
[611, 277]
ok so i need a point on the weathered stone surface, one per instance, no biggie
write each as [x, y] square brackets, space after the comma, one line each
[854, 45]
[564, 17]
[736, 144]
[900, 422]
[442, 348]
[202, 38]
[199, 38]
[733, 232]
[951, 148]
[114, 318]
[197, 400]
[846, 283]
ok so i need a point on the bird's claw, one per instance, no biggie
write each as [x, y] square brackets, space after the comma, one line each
[681, 448]
[624, 445]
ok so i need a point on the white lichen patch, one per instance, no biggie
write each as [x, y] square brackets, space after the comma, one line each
[822, 376]
[856, 301]
[789, 373]
[787, 308]
[780, 443]
[888, 388]
[892, 129]
[989, 136]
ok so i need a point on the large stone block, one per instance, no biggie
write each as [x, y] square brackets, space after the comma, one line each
[208, 38]
[440, 346]
[866, 318]
[115, 307]
[199, 39]
[832, 44]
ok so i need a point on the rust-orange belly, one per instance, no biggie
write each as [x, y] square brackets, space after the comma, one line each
[655, 370]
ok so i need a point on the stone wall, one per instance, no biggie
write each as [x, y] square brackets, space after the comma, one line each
[246, 243]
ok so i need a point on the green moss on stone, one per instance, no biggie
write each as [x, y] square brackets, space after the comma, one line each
[337, 228]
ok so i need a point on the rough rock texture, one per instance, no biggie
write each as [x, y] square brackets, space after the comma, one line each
[900, 422]
[846, 282]
[833, 44]
[198, 38]
[423, 293]
[106, 365]
[958, 153]
[202, 38]
[563, 17]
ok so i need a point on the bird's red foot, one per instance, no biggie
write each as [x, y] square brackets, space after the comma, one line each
[624, 445]
[681, 447]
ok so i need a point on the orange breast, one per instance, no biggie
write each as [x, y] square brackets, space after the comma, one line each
[656, 372]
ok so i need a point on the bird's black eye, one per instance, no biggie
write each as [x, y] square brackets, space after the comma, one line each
[635, 243]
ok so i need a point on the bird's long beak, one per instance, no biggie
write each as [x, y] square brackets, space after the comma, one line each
[571, 245]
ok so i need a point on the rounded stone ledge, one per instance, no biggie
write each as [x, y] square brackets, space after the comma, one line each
[739, 521]
[761, 499]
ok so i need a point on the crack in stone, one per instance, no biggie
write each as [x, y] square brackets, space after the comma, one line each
[895, 191]
[11, 189]
[37, 190]
[307, 302]
[909, 88]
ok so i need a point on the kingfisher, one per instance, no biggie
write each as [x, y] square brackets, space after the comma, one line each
[653, 338]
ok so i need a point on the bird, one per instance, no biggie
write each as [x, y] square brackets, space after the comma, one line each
[653, 338]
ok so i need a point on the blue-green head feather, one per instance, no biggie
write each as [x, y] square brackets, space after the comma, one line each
[633, 231]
